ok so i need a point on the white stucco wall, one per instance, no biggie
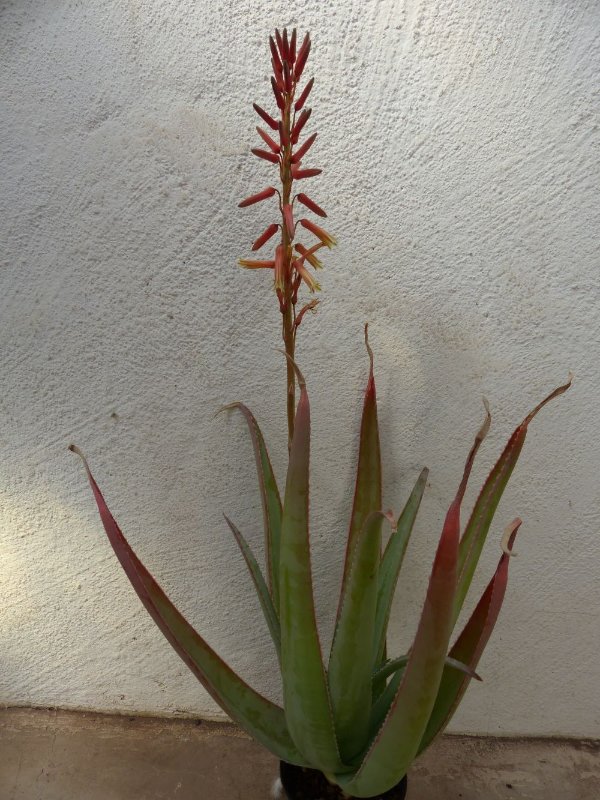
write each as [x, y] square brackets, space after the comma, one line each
[459, 142]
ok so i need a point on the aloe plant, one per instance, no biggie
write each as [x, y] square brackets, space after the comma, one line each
[358, 716]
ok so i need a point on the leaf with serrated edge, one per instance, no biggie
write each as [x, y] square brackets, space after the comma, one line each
[306, 699]
[262, 591]
[470, 645]
[479, 523]
[262, 719]
[351, 663]
[391, 563]
[270, 499]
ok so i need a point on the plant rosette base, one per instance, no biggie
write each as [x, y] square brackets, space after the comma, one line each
[300, 783]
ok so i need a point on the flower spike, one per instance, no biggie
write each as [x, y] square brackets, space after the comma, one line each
[291, 261]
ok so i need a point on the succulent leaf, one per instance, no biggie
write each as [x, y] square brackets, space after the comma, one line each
[262, 719]
[470, 645]
[481, 517]
[306, 697]
[391, 563]
[270, 498]
[367, 490]
[395, 745]
[351, 661]
[262, 590]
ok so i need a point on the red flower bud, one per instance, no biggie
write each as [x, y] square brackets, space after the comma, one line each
[267, 139]
[277, 66]
[285, 52]
[279, 268]
[325, 237]
[287, 78]
[298, 174]
[288, 218]
[277, 93]
[301, 58]
[279, 41]
[283, 137]
[256, 198]
[305, 92]
[266, 155]
[301, 152]
[267, 117]
[300, 123]
[305, 200]
[292, 53]
[265, 236]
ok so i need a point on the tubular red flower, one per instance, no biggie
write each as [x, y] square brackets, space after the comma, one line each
[283, 137]
[300, 123]
[248, 263]
[305, 275]
[302, 57]
[277, 65]
[321, 234]
[305, 92]
[267, 117]
[256, 198]
[302, 151]
[266, 155]
[279, 41]
[279, 268]
[292, 53]
[306, 201]
[265, 236]
[278, 94]
[287, 78]
[267, 140]
[285, 52]
[298, 174]
[288, 218]
[309, 254]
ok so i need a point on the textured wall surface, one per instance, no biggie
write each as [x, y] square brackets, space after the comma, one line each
[460, 147]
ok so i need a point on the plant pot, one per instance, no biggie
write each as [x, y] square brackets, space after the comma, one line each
[300, 783]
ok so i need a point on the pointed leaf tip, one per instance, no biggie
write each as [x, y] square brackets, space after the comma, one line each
[509, 536]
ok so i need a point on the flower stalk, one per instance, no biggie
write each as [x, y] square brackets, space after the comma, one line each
[290, 271]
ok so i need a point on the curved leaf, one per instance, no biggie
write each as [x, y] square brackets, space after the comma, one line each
[262, 590]
[367, 489]
[470, 645]
[481, 517]
[270, 499]
[306, 698]
[262, 719]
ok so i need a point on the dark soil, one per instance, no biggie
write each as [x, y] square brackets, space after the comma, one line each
[310, 784]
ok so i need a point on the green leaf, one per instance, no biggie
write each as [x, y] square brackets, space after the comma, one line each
[367, 490]
[351, 661]
[479, 523]
[262, 719]
[270, 498]
[470, 645]
[261, 588]
[392, 562]
[397, 741]
[306, 698]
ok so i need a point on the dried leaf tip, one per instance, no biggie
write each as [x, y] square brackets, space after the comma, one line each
[368, 346]
[508, 536]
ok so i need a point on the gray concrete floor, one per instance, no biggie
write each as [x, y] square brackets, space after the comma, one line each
[60, 755]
